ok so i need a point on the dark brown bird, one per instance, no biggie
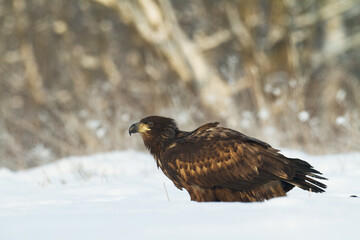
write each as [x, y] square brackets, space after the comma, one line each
[219, 164]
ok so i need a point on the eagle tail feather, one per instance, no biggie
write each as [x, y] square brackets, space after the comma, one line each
[317, 176]
[304, 176]
[319, 184]
[303, 184]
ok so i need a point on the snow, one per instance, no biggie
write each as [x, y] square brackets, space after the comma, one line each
[121, 195]
[304, 116]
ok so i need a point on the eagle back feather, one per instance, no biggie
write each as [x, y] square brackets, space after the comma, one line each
[213, 156]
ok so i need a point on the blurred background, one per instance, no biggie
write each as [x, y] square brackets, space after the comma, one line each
[74, 74]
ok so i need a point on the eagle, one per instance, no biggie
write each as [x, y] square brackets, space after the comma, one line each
[220, 164]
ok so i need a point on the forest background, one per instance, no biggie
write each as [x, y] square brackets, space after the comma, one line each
[75, 74]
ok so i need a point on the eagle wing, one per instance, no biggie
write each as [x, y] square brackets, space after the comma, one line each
[213, 156]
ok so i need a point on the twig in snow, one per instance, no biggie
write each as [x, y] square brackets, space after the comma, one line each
[167, 195]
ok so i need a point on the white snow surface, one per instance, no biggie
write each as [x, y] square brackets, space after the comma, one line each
[121, 195]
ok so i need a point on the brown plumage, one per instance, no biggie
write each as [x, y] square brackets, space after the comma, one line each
[219, 164]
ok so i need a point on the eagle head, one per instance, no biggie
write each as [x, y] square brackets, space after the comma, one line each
[156, 132]
[155, 126]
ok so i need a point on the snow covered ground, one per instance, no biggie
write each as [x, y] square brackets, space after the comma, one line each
[121, 195]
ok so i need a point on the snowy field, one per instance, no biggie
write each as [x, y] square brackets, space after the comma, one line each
[121, 195]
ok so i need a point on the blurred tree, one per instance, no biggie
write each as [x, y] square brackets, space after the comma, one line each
[74, 74]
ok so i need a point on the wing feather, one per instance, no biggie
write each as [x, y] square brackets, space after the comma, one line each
[223, 157]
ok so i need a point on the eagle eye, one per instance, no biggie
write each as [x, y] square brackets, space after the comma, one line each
[150, 124]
